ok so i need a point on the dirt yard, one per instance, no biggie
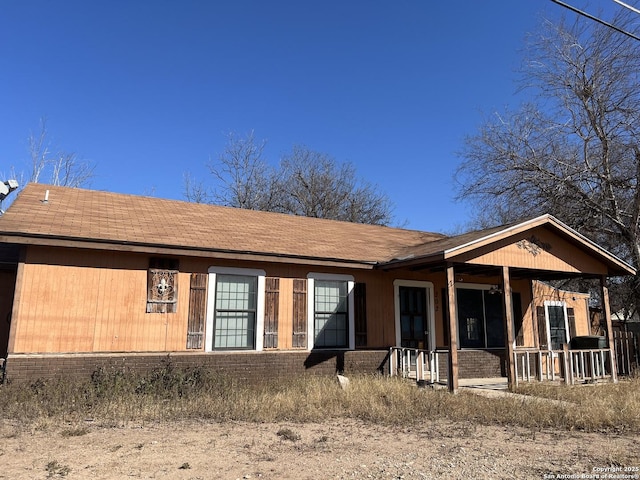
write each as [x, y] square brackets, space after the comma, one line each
[335, 449]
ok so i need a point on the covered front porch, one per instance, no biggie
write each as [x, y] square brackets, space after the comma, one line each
[569, 366]
[530, 332]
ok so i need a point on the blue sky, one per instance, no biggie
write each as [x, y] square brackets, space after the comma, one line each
[148, 90]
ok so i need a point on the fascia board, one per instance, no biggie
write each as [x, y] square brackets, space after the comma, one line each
[535, 222]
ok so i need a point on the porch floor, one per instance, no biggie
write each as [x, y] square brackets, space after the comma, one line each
[487, 387]
[478, 385]
[499, 383]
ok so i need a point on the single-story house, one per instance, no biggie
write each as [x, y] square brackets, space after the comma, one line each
[92, 278]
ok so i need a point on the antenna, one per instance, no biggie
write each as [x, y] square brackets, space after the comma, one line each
[5, 189]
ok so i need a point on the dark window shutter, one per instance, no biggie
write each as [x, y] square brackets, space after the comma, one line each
[272, 298]
[571, 319]
[517, 318]
[299, 313]
[360, 314]
[444, 302]
[542, 328]
[197, 310]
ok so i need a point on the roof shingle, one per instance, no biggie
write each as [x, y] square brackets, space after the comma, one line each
[89, 215]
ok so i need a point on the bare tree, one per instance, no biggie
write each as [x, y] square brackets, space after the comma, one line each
[38, 151]
[50, 165]
[242, 178]
[574, 151]
[307, 183]
[313, 184]
[195, 190]
[68, 170]
[54, 166]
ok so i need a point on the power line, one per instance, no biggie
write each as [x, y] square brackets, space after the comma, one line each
[633, 9]
[596, 19]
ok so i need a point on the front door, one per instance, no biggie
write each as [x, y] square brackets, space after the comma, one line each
[413, 318]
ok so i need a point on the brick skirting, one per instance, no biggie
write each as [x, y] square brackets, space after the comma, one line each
[246, 366]
[481, 363]
[476, 364]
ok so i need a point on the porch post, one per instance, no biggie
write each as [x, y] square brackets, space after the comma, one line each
[453, 331]
[508, 319]
[606, 310]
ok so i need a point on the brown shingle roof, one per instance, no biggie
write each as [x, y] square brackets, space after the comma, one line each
[443, 244]
[103, 217]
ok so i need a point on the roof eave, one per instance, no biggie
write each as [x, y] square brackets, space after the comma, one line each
[459, 249]
[620, 266]
[423, 260]
[616, 266]
[180, 250]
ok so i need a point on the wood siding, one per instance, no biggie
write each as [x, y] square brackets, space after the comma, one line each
[541, 250]
[93, 302]
[285, 314]
[90, 301]
[577, 313]
[96, 302]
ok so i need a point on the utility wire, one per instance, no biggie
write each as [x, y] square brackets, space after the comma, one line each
[633, 9]
[596, 19]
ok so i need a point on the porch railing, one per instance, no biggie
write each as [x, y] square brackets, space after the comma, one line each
[423, 365]
[570, 366]
[627, 352]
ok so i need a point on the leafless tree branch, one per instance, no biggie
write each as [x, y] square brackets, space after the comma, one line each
[574, 151]
[307, 183]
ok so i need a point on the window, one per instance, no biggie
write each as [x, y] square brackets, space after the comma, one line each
[331, 314]
[471, 317]
[556, 324]
[235, 318]
[473, 329]
[481, 318]
[494, 319]
[331, 307]
[162, 285]
[235, 314]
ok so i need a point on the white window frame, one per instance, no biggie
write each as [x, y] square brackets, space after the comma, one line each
[556, 303]
[431, 313]
[211, 303]
[311, 294]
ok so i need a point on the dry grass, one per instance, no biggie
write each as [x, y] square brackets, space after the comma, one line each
[167, 394]
[595, 407]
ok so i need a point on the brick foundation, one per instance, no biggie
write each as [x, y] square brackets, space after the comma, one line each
[246, 366]
[476, 364]
[481, 363]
